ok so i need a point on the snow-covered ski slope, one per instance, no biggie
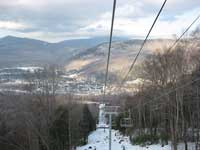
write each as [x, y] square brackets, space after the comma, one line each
[98, 140]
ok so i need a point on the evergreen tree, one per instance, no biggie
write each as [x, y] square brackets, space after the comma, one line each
[59, 139]
[87, 124]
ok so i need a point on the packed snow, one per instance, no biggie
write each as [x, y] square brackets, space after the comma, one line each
[31, 69]
[98, 140]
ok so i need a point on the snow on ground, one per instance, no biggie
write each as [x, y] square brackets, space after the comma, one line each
[16, 82]
[99, 140]
[14, 90]
[31, 69]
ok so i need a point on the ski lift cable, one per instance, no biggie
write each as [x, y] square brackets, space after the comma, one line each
[110, 45]
[178, 40]
[181, 36]
[174, 44]
[142, 46]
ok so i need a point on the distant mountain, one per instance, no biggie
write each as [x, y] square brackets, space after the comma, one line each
[93, 60]
[20, 51]
[86, 56]
[88, 42]
[15, 51]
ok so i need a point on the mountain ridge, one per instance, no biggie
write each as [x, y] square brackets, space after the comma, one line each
[86, 60]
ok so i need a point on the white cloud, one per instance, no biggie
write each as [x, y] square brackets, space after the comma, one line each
[138, 27]
[12, 25]
[61, 19]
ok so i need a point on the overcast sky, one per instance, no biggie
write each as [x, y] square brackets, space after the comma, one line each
[56, 20]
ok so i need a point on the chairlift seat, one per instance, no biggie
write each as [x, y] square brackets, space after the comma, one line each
[126, 122]
[114, 110]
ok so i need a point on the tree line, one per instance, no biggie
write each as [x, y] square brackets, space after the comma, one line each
[43, 120]
[166, 106]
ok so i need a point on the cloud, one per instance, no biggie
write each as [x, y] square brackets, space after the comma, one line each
[9, 25]
[138, 27]
[55, 20]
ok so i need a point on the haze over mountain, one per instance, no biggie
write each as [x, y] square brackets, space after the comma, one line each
[88, 42]
[21, 51]
[93, 60]
[25, 51]
[86, 56]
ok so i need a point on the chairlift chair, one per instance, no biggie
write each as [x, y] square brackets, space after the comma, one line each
[114, 110]
[126, 122]
[114, 124]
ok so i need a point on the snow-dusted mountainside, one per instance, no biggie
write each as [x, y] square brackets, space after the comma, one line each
[93, 60]
[15, 51]
[79, 54]
[88, 42]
